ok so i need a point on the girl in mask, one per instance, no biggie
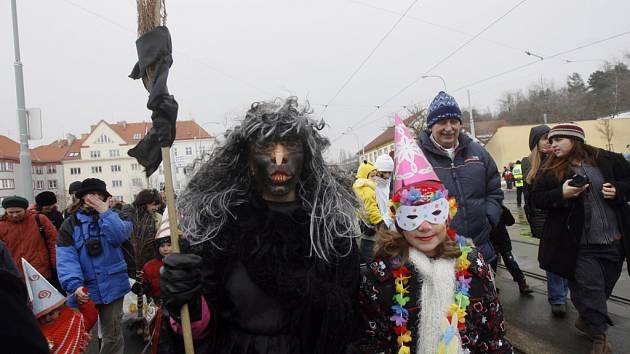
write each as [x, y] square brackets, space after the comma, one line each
[428, 289]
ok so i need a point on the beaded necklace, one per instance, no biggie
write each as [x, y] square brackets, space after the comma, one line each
[456, 315]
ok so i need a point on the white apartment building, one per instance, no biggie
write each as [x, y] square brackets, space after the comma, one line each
[184, 152]
[102, 153]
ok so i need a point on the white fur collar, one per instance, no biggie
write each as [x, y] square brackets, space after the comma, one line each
[438, 289]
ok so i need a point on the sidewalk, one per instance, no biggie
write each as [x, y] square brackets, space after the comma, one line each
[531, 326]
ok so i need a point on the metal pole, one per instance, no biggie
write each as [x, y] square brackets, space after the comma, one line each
[25, 176]
[472, 120]
[545, 118]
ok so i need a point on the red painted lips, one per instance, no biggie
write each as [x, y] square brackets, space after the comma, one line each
[280, 177]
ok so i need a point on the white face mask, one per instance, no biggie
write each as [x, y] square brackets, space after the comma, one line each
[411, 217]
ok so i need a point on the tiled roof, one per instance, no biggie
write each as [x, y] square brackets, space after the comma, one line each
[53, 152]
[387, 136]
[9, 149]
[186, 129]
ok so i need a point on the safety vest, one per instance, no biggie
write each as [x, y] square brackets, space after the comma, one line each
[517, 171]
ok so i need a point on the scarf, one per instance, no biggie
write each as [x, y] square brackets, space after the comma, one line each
[382, 199]
[438, 288]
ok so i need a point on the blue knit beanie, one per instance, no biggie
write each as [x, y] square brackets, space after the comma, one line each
[443, 106]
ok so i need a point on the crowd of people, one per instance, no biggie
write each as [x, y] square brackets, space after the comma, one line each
[281, 255]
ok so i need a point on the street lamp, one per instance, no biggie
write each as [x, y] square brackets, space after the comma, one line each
[436, 76]
[352, 132]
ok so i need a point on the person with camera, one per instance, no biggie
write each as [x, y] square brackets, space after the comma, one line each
[89, 255]
[586, 191]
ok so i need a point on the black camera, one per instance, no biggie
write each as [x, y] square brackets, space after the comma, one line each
[93, 247]
[579, 181]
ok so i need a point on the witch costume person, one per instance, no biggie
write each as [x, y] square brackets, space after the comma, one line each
[275, 268]
[428, 289]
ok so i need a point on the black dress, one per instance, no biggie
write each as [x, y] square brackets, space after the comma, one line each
[267, 294]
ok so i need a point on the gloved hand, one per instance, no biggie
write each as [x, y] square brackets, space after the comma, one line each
[180, 280]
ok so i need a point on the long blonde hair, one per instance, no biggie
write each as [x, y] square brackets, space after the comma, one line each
[535, 161]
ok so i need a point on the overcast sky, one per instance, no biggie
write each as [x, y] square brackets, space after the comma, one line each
[227, 54]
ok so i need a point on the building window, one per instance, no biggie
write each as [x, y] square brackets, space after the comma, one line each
[188, 150]
[6, 166]
[135, 166]
[136, 182]
[95, 154]
[52, 184]
[116, 183]
[137, 136]
[51, 169]
[39, 170]
[39, 184]
[119, 198]
[115, 168]
[174, 151]
[103, 139]
[97, 169]
[7, 184]
[114, 153]
[75, 170]
[73, 154]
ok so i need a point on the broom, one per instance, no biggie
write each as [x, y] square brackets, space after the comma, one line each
[152, 14]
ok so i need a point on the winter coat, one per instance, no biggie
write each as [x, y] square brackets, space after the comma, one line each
[535, 216]
[499, 236]
[564, 226]
[104, 275]
[20, 331]
[24, 240]
[472, 177]
[365, 188]
[151, 275]
[484, 330]
[6, 262]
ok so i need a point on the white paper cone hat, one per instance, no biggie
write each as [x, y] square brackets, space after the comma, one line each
[164, 230]
[41, 293]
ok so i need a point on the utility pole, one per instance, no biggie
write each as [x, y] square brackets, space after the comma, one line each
[545, 118]
[472, 120]
[26, 169]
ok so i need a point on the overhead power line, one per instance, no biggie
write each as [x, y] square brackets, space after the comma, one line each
[439, 25]
[368, 56]
[451, 54]
[559, 54]
[440, 62]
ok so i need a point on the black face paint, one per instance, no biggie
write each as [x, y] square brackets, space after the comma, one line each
[277, 166]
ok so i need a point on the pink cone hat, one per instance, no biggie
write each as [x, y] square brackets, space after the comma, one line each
[411, 164]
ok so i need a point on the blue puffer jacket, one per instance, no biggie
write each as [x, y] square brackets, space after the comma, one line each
[105, 275]
[472, 177]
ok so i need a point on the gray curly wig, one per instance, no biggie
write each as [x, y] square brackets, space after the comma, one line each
[223, 180]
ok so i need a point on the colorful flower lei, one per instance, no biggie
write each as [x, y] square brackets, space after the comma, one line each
[400, 313]
[456, 310]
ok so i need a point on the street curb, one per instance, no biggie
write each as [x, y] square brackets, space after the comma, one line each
[528, 343]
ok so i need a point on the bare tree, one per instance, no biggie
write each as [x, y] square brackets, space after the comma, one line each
[605, 129]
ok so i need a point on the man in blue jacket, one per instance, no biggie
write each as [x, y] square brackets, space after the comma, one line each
[89, 256]
[466, 169]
